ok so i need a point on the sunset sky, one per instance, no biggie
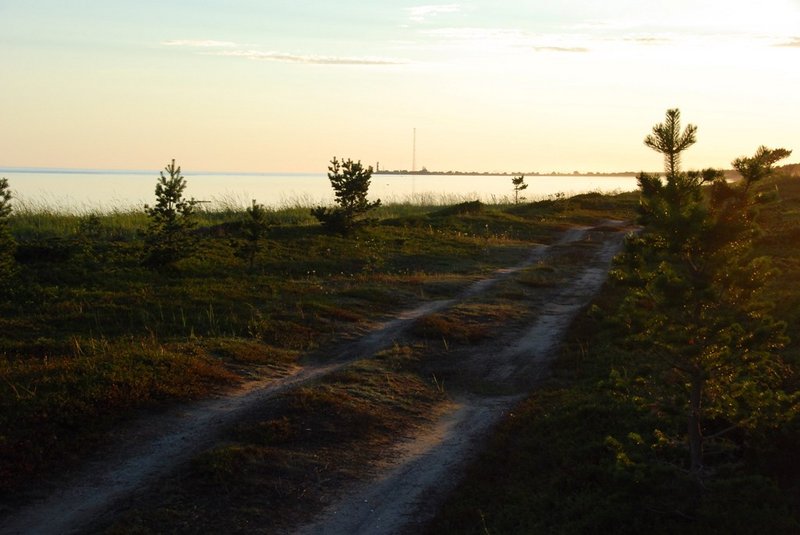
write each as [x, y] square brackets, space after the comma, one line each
[284, 85]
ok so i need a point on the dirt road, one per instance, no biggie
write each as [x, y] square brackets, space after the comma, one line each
[423, 469]
[406, 497]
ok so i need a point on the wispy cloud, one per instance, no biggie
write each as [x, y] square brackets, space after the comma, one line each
[509, 38]
[648, 40]
[794, 43]
[570, 49]
[500, 35]
[284, 57]
[231, 49]
[195, 43]
[424, 13]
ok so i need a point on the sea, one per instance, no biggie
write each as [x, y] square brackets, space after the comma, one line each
[88, 190]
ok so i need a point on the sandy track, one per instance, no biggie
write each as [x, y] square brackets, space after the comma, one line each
[425, 467]
[403, 498]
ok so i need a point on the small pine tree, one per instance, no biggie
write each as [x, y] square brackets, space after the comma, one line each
[694, 306]
[169, 237]
[350, 181]
[668, 139]
[8, 264]
[254, 228]
[519, 185]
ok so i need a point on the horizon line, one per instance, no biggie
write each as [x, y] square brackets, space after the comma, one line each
[97, 170]
[93, 170]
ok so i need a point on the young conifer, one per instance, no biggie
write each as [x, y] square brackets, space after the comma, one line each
[172, 219]
[350, 181]
[8, 264]
[254, 229]
[693, 305]
[519, 185]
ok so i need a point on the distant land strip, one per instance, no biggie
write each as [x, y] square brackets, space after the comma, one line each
[731, 174]
[497, 173]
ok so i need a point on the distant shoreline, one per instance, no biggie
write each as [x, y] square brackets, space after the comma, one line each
[730, 174]
[499, 173]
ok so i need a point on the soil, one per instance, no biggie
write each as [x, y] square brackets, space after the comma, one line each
[415, 476]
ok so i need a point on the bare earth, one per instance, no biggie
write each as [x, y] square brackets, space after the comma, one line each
[419, 473]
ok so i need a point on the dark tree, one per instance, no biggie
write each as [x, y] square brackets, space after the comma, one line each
[668, 139]
[731, 203]
[172, 219]
[254, 229]
[8, 265]
[693, 306]
[758, 166]
[350, 181]
[519, 185]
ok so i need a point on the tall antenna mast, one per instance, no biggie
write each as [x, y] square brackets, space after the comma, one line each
[414, 153]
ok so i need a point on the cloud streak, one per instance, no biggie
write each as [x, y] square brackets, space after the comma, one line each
[569, 49]
[283, 57]
[475, 34]
[200, 43]
[275, 56]
[794, 43]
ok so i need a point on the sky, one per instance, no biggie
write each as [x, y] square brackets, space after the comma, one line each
[487, 85]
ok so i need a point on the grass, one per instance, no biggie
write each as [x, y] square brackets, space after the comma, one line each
[54, 408]
[89, 335]
[96, 338]
[275, 463]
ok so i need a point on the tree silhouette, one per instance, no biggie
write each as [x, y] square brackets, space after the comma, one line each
[668, 139]
[254, 229]
[693, 305]
[519, 185]
[350, 181]
[169, 236]
[8, 264]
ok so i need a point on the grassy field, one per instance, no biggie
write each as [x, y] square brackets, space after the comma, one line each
[91, 337]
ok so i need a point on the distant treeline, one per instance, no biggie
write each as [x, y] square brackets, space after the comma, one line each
[731, 174]
[497, 173]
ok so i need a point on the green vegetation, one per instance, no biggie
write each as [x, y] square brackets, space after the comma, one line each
[7, 243]
[254, 230]
[694, 300]
[674, 406]
[350, 182]
[92, 336]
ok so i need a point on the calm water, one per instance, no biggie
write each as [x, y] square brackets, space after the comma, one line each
[79, 191]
